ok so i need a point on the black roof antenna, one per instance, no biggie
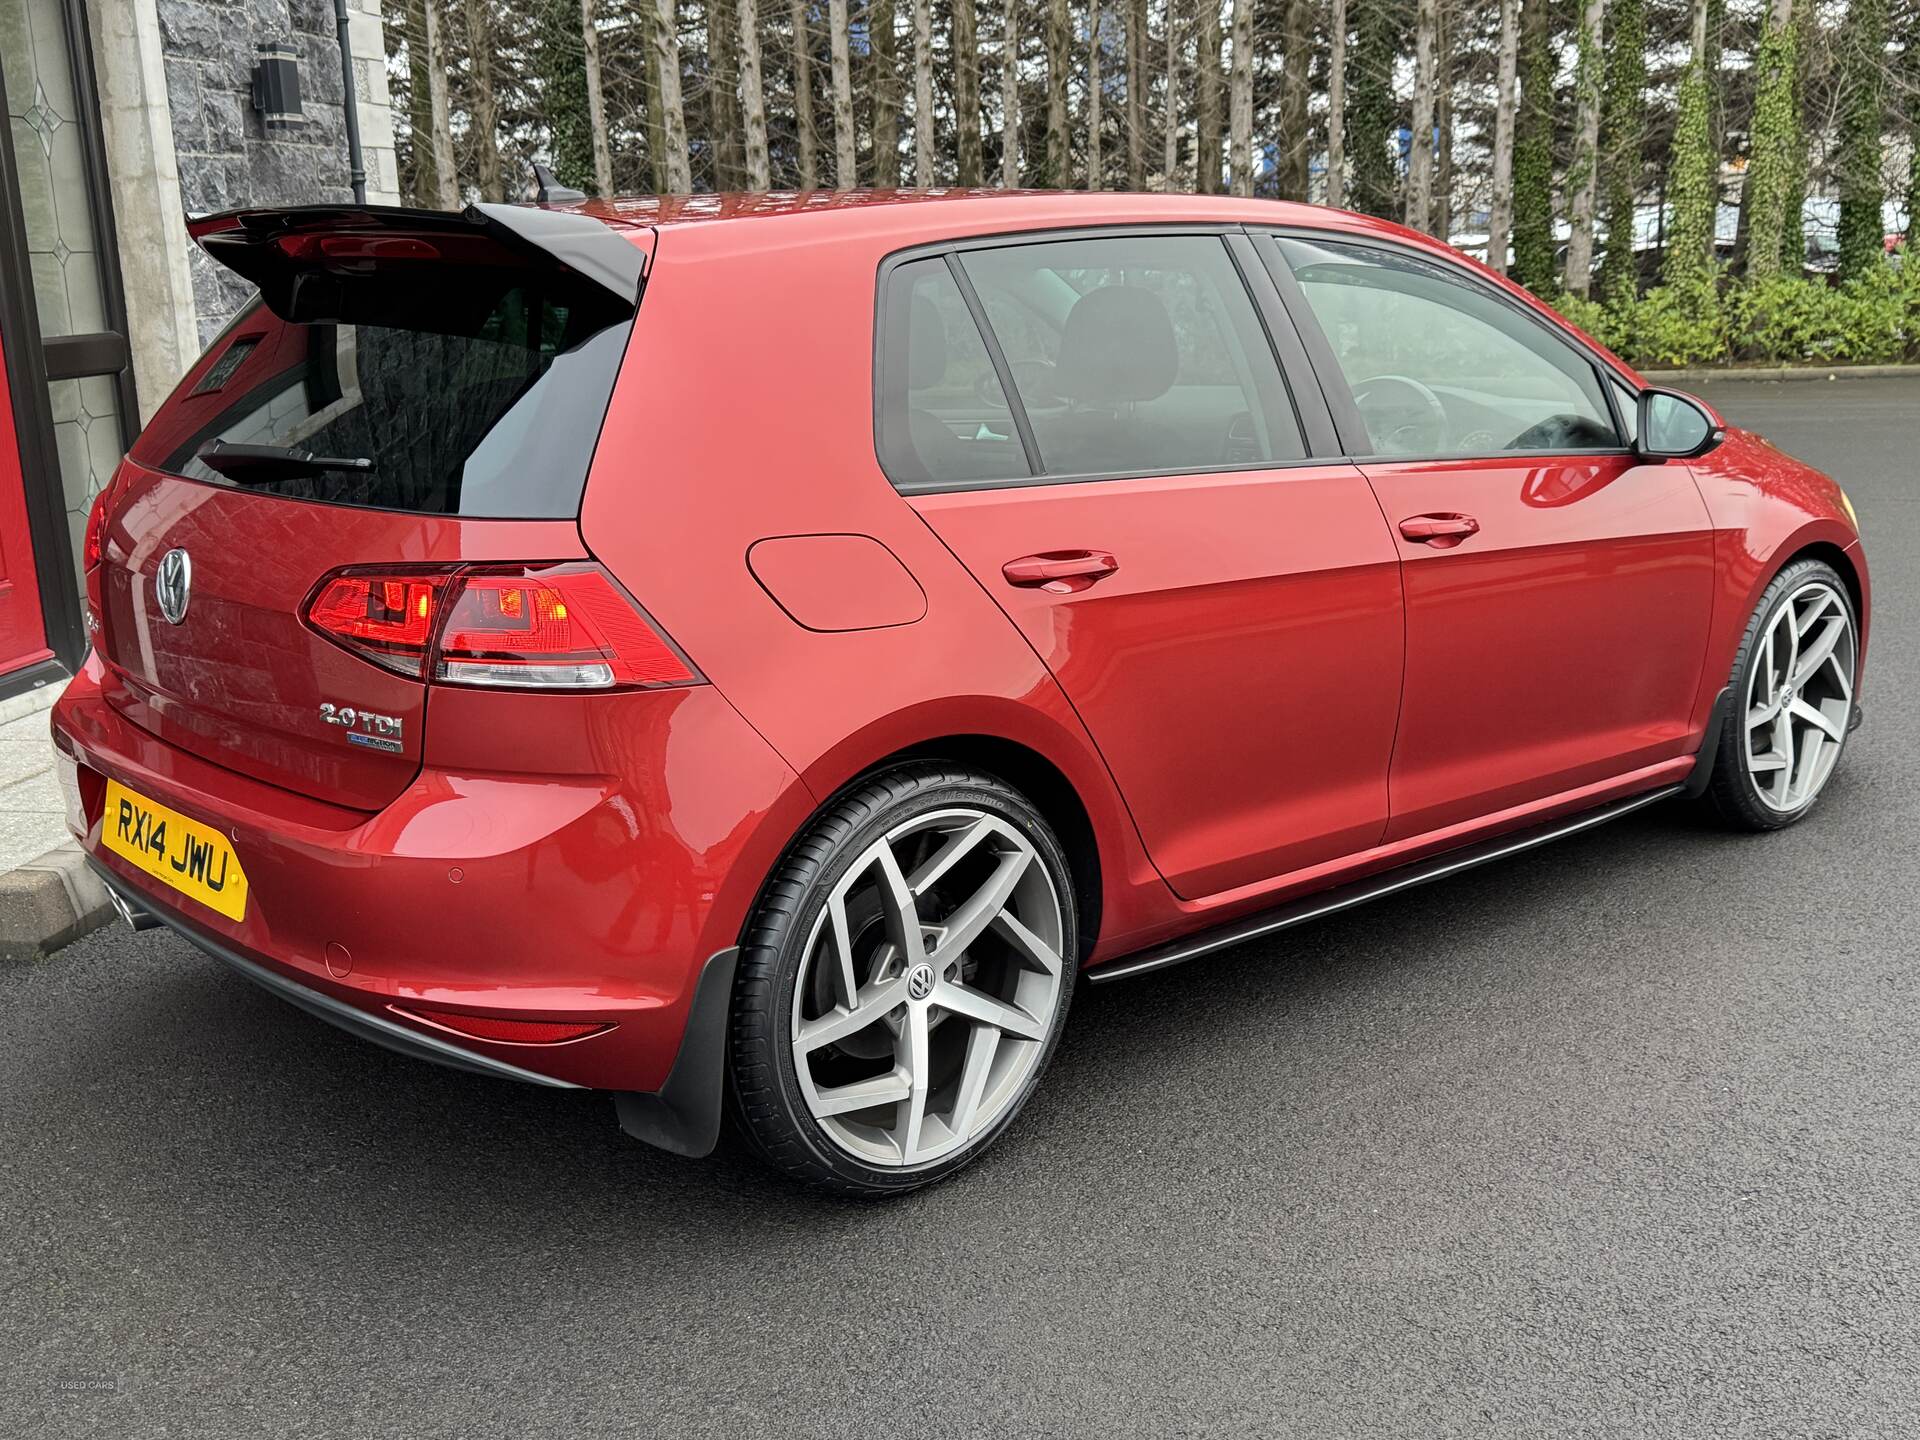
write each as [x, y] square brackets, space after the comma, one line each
[550, 191]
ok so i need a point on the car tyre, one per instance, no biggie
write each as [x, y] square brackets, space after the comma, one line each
[1791, 704]
[917, 945]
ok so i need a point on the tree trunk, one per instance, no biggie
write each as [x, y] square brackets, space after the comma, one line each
[420, 179]
[1373, 114]
[723, 101]
[646, 21]
[966, 90]
[1095, 165]
[1010, 99]
[1442, 213]
[560, 72]
[846, 159]
[1863, 87]
[1170, 129]
[1533, 245]
[753, 98]
[1337, 104]
[1240, 97]
[1059, 153]
[1583, 173]
[883, 88]
[1426, 24]
[1296, 133]
[1206, 122]
[923, 93]
[1910, 107]
[673, 111]
[596, 100]
[1806, 40]
[1623, 123]
[1775, 135]
[1693, 175]
[1136, 15]
[439, 142]
[803, 118]
[486, 116]
[1500, 212]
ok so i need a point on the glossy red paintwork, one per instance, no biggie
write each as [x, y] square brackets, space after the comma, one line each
[1571, 625]
[1242, 605]
[1272, 693]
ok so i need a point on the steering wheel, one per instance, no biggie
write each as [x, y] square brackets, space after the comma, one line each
[1404, 417]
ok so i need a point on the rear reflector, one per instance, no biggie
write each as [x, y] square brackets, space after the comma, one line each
[499, 1028]
[522, 627]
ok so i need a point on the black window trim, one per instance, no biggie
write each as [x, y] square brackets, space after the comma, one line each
[1333, 379]
[952, 248]
[1002, 368]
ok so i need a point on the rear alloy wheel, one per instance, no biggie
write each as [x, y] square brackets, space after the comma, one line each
[903, 983]
[1792, 700]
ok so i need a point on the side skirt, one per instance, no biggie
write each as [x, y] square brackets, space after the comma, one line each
[1374, 887]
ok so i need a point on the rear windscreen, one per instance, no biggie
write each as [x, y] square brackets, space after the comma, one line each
[444, 390]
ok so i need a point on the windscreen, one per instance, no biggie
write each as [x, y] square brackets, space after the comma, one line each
[469, 390]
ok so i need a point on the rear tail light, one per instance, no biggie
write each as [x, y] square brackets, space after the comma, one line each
[523, 627]
[93, 550]
[563, 627]
[387, 619]
[93, 547]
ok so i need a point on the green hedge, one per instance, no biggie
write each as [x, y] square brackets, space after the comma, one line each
[1874, 319]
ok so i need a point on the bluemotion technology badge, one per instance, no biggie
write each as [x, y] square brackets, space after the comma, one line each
[173, 585]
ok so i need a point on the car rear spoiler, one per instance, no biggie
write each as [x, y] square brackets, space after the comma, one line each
[254, 243]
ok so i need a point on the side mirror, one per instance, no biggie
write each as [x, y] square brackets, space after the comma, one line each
[1673, 426]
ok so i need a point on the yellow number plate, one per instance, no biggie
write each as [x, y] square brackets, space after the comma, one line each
[194, 859]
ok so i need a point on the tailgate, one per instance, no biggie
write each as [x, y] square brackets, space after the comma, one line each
[240, 679]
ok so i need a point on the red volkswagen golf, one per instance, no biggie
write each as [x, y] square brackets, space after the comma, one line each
[753, 654]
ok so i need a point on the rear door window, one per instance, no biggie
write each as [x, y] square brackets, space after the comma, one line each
[1136, 355]
[439, 389]
[943, 416]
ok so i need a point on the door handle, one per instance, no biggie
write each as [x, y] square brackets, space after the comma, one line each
[1440, 531]
[1060, 572]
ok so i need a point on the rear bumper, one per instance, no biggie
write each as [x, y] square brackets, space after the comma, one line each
[610, 898]
[683, 1115]
[139, 910]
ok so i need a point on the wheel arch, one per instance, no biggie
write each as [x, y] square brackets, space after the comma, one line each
[1842, 562]
[1052, 793]
[1094, 829]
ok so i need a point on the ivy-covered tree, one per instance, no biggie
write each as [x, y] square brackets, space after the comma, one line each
[1623, 119]
[1533, 153]
[1776, 143]
[1793, 231]
[563, 79]
[1863, 70]
[1692, 182]
[1372, 113]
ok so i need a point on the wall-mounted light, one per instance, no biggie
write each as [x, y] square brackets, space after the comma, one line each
[276, 85]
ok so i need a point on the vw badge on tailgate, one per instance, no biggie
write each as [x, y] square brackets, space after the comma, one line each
[173, 585]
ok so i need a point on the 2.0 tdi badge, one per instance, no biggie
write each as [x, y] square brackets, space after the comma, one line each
[364, 728]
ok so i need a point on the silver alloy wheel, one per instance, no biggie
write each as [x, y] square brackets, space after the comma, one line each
[927, 988]
[1799, 697]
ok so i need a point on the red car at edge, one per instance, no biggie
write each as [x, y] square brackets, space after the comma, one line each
[751, 655]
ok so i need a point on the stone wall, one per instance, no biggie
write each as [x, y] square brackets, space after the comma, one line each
[228, 157]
